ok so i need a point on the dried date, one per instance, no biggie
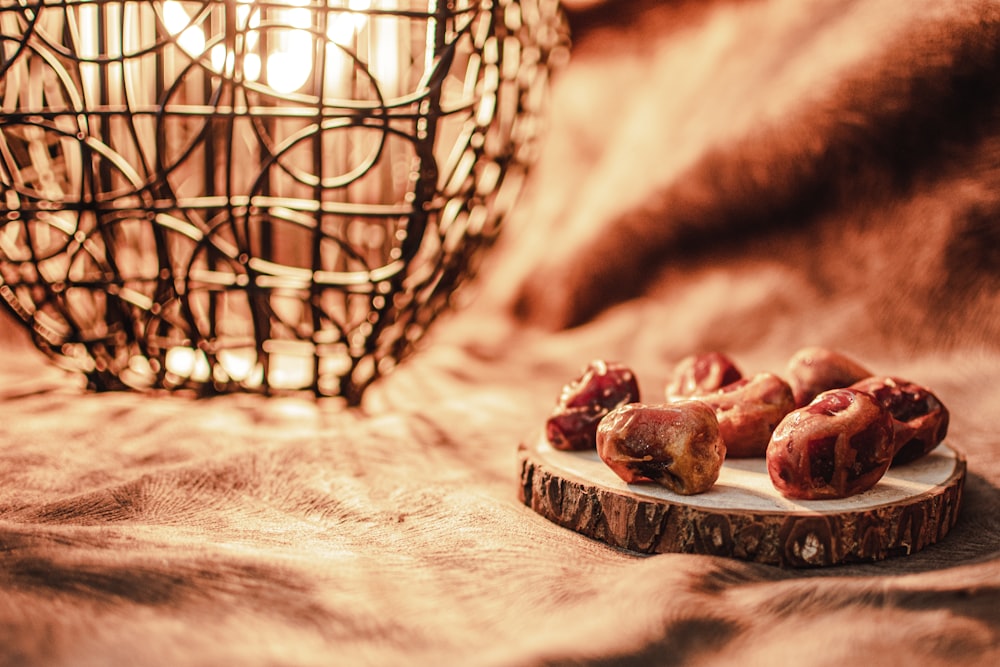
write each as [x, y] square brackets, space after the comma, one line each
[748, 410]
[838, 445]
[676, 445]
[813, 370]
[920, 419]
[600, 388]
[701, 373]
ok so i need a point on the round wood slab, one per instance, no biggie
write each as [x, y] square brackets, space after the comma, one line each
[743, 516]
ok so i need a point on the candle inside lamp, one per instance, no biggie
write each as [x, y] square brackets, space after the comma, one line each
[287, 30]
[229, 195]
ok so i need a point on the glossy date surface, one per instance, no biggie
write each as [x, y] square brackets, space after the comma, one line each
[813, 370]
[600, 388]
[839, 445]
[701, 373]
[748, 411]
[676, 445]
[920, 419]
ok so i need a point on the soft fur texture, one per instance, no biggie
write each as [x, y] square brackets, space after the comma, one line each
[751, 176]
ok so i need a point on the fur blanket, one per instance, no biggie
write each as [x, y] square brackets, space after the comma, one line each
[751, 176]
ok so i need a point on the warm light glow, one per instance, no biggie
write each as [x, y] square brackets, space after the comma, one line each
[186, 362]
[221, 60]
[289, 68]
[290, 372]
[385, 38]
[240, 364]
[251, 66]
[248, 19]
[344, 26]
[191, 39]
[299, 17]
[289, 64]
[88, 49]
[175, 17]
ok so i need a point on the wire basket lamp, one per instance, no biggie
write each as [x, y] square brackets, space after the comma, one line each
[263, 196]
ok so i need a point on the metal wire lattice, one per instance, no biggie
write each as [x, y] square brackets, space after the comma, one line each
[259, 196]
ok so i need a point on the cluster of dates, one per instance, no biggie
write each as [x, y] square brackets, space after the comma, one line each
[831, 429]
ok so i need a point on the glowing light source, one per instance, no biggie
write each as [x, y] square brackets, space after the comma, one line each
[289, 60]
[264, 196]
[178, 23]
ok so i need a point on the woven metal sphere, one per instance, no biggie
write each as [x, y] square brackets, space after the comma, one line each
[262, 196]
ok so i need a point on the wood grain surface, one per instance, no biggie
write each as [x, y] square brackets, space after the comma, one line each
[743, 516]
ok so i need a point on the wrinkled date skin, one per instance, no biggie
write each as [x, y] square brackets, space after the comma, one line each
[748, 411]
[920, 419]
[676, 445]
[601, 387]
[813, 370]
[839, 445]
[701, 374]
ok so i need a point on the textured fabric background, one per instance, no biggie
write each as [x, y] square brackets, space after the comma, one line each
[749, 176]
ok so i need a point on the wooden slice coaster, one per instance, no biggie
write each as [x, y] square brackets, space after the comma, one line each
[743, 516]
